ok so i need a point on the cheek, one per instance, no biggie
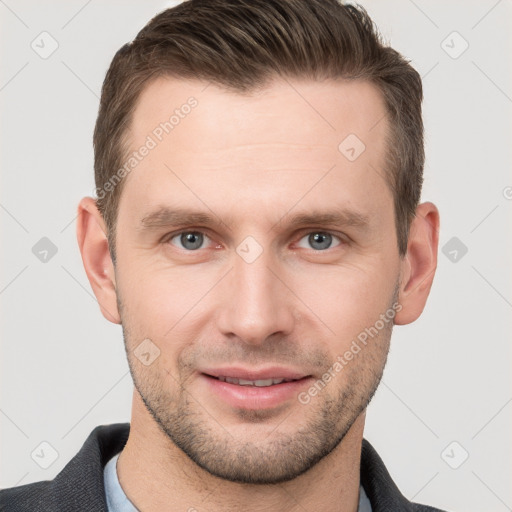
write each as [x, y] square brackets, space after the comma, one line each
[155, 296]
[166, 306]
[346, 301]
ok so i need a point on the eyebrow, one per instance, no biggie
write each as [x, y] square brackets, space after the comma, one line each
[338, 217]
[165, 217]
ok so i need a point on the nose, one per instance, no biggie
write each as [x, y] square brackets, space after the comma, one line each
[255, 303]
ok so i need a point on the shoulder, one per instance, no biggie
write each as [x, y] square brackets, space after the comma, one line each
[380, 488]
[25, 497]
[416, 507]
[79, 485]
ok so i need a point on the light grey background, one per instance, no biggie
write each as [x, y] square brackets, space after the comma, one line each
[63, 368]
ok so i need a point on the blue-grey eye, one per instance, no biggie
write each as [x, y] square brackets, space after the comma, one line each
[189, 240]
[319, 241]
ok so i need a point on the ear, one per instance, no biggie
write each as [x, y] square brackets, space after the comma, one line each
[92, 239]
[419, 264]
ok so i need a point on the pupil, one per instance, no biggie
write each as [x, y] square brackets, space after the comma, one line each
[191, 240]
[320, 240]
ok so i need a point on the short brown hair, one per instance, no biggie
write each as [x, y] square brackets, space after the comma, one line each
[241, 45]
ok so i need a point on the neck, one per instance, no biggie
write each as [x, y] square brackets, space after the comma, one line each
[156, 475]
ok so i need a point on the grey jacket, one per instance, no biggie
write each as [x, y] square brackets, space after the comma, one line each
[79, 486]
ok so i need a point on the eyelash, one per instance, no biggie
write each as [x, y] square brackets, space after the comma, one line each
[342, 239]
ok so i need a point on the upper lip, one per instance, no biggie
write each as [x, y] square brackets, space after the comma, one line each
[275, 372]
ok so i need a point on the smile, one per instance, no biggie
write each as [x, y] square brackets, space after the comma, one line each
[255, 389]
[261, 383]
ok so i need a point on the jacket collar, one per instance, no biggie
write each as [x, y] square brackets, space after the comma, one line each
[81, 481]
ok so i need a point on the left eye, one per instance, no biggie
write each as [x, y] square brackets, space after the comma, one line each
[319, 241]
[189, 240]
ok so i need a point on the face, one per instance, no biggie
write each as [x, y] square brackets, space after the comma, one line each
[253, 255]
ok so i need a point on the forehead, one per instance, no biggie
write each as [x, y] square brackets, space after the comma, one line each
[268, 144]
[328, 110]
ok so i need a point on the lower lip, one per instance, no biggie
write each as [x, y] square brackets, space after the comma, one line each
[254, 397]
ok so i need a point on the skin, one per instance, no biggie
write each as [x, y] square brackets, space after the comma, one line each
[253, 162]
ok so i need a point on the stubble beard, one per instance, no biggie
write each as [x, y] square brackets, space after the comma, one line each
[281, 456]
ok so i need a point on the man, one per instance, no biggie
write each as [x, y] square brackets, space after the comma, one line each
[257, 232]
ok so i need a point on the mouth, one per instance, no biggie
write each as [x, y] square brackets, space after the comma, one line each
[254, 389]
[259, 383]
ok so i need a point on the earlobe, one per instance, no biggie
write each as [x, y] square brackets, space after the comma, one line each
[93, 244]
[419, 264]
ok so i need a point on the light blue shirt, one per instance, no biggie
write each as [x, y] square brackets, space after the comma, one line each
[117, 501]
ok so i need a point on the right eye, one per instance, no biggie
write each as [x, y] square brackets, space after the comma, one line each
[189, 240]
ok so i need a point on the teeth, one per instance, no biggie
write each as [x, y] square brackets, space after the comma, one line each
[258, 383]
